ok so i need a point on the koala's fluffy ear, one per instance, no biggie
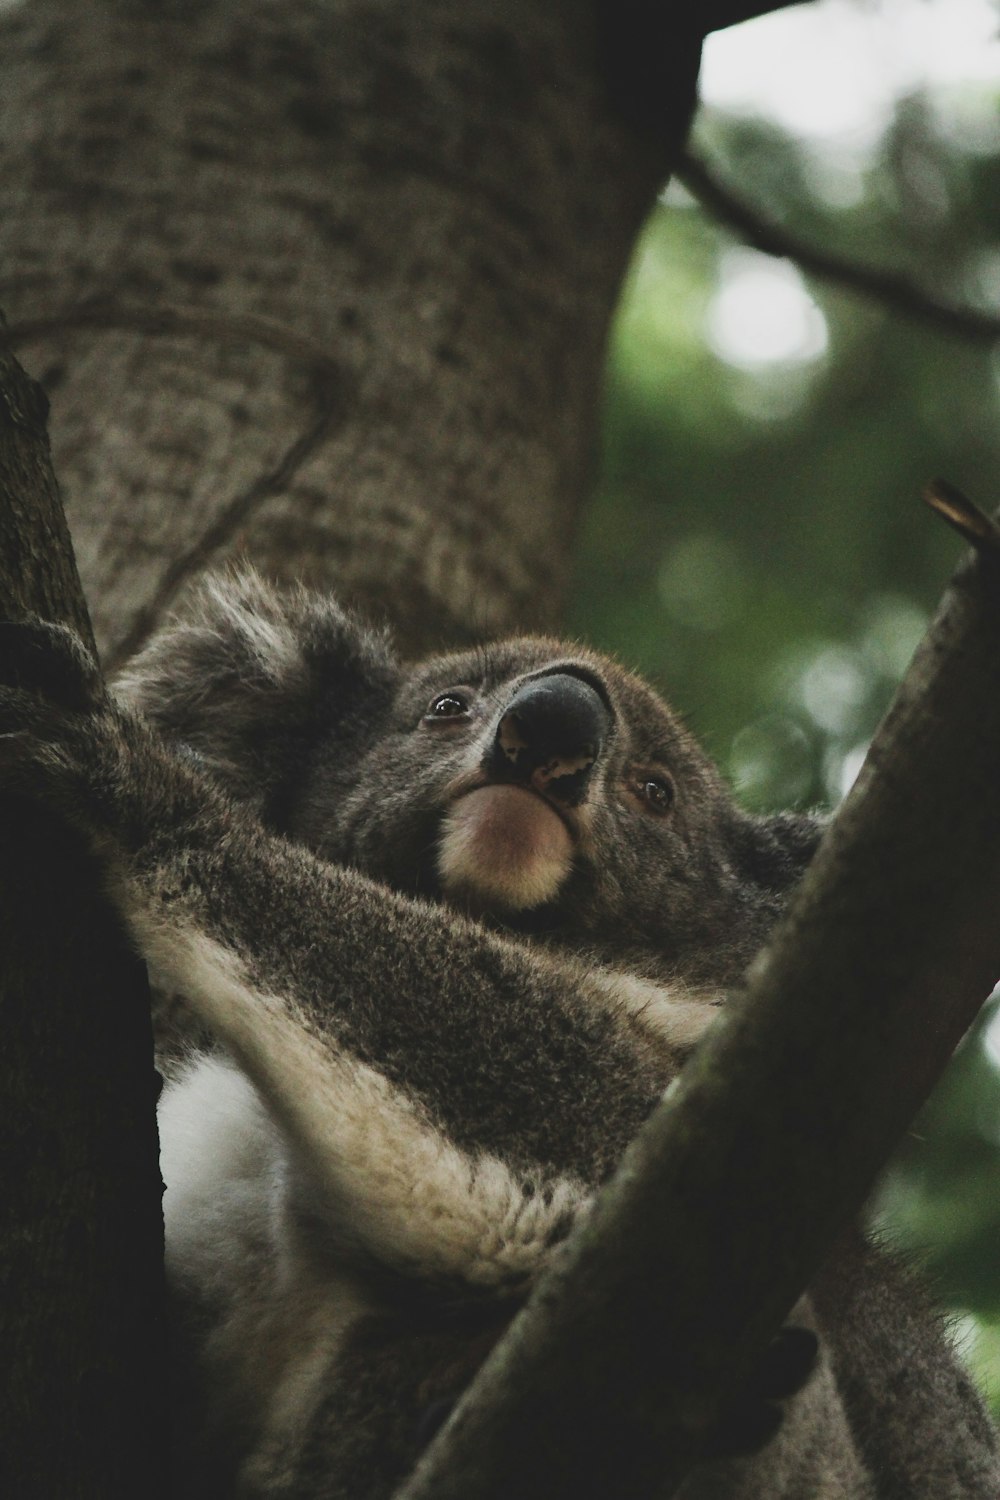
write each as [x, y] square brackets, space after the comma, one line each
[772, 852]
[250, 677]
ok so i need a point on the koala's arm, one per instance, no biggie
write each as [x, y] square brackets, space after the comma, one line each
[412, 1060]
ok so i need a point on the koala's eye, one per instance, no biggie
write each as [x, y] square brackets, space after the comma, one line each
[656, 793]
[447, 706]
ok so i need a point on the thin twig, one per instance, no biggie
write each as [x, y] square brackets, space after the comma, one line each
[960, 512]
[891, 288]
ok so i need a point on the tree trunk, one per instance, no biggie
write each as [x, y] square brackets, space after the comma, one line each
[328, 284]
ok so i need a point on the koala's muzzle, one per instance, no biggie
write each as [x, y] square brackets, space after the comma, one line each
[551, 737]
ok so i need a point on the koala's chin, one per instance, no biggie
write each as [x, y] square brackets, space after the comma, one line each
[503, 848]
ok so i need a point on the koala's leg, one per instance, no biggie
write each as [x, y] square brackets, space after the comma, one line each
[812, 1456]
[921, 1423]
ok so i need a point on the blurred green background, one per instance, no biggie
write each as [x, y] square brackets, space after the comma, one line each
[757, 545]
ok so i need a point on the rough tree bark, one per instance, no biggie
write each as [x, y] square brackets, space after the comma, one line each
[81, 1235]
[328, 283]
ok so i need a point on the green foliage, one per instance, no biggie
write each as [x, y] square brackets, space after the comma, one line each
[757, 544]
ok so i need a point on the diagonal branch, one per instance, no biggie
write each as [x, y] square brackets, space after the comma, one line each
[774, 1133]
[37, 571]
[80, 1231]
[891, 288]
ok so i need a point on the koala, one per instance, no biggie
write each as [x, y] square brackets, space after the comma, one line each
[430, 941]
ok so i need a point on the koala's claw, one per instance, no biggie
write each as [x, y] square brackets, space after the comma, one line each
[752, 1420]
[50, 661]
[50, 750]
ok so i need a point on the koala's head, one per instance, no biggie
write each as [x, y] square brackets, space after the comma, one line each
[534, 783]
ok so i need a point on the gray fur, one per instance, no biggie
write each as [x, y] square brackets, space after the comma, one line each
[406, 1107]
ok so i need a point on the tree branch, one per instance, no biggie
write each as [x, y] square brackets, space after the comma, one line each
[80, 1231]
[774, 1133]
[891, 288]
[978, 529]
[37, 571]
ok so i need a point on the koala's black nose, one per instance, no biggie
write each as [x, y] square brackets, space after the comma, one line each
[551, 736]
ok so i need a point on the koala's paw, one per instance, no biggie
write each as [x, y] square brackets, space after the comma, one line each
[54, 727]
[49, 662]
[754, 1417]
